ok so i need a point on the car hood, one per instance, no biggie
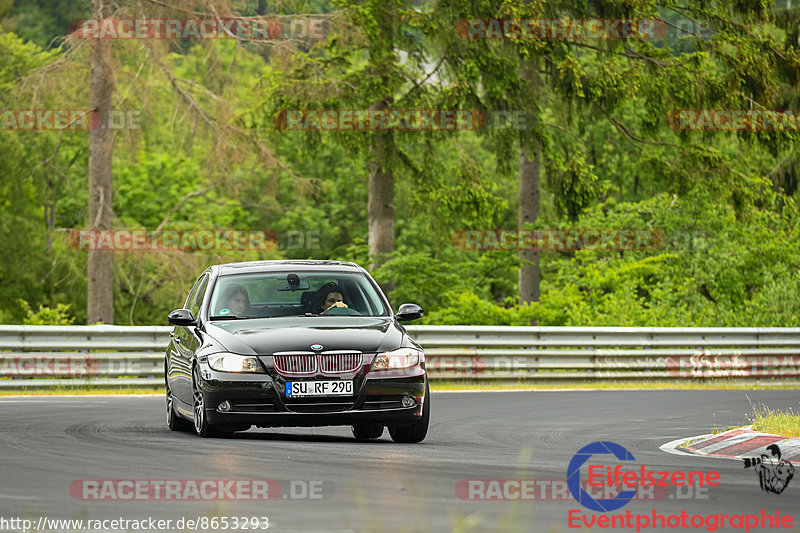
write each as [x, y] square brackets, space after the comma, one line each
[264, 336]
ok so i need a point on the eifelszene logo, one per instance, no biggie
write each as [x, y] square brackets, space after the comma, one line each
[774, 473]
[615, 477]
[574, 476]
[627, 474]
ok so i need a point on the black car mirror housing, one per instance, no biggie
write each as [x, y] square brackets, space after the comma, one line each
[408, 312]
[181, 317]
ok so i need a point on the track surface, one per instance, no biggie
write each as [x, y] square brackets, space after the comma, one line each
[47, 443]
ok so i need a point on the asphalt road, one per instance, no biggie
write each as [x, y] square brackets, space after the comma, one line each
[330, 482]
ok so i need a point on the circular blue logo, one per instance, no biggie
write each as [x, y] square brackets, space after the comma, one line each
[316, 347]
[574, 476]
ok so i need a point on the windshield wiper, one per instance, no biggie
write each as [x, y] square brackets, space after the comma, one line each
[230, 317]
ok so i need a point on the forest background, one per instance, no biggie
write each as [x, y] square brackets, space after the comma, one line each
[596, 150]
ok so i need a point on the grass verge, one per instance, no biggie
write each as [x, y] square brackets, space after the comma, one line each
[716, 384]
[768, 420]
[82, 391]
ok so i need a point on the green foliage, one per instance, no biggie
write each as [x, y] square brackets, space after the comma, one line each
[725, 201]
[467, 308]
[42, 21]
[45, 316]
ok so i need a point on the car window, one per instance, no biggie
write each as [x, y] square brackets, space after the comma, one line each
[197, 296]
[193, 292]
[270, 295]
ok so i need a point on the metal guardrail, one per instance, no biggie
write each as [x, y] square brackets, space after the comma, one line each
[47, 356]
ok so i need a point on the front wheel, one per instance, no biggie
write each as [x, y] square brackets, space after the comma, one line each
[201, 425]
[417, 431]
[174, 422]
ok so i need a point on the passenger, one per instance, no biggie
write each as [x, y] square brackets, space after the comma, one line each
[236, 300]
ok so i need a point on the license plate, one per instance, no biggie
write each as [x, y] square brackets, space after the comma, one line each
[319, 388]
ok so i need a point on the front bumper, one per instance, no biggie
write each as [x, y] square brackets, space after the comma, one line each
[260, 400]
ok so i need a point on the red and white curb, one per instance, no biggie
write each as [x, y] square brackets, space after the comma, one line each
[734, 444]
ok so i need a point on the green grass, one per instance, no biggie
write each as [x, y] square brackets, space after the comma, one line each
[690, 442]
[768, 420]
[82, 391]
[717, 384]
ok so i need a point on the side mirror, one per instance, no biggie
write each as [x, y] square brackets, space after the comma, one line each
[409, 312]
[181, 317]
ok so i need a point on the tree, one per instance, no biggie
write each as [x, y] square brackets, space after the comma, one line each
[589, 81]
[100, 300]
[141, 69]
[359, 67]
[530, 164]
[382, 150]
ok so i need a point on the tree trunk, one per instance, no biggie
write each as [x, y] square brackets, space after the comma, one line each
[100, 301]
[380, 204]
[529, 165]
[382, 151]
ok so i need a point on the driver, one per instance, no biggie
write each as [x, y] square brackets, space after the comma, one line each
[333, 299]
[330, 295]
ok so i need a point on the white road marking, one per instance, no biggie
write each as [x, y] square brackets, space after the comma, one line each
[674, 446]
[727, 443]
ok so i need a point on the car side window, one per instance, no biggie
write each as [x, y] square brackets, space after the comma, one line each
[192, 293]
[197, 299]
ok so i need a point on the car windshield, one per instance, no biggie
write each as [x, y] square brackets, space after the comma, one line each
[269, 295]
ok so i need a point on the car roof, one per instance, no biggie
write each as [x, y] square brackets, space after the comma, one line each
[283, 265]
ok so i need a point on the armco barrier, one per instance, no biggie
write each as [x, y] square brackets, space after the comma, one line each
[45, 356]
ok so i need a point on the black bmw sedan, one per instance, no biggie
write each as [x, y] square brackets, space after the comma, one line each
[294, 343]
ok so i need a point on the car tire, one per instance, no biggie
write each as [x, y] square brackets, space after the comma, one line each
[367, 430]
[201, 425]
[417, 431]
[175, 422]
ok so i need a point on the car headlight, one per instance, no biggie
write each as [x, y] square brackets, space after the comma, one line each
[231, 362]
[400, 358]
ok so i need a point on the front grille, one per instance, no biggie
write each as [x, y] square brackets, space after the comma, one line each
[301, 364]
[296, 364]
[340, 363]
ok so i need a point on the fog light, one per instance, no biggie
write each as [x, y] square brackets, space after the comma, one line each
[224, 407]
[408, 401]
